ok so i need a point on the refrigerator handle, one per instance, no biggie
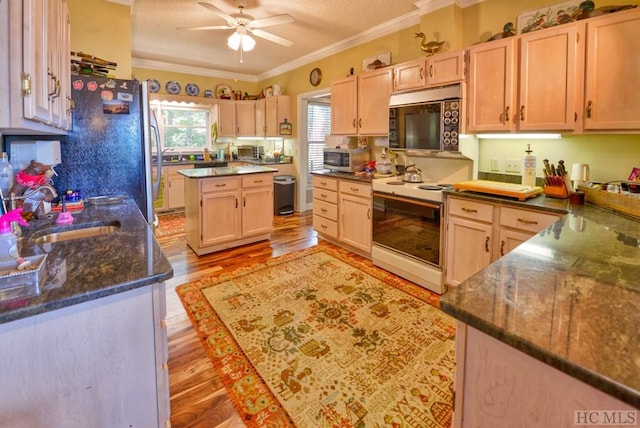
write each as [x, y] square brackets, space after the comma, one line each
[153, 123]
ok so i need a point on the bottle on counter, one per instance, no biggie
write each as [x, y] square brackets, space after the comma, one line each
[206, 156]
[8, 239]
[6, 175]
[529, 162]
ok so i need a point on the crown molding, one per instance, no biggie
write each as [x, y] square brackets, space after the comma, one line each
[428, 6]
[189, 69]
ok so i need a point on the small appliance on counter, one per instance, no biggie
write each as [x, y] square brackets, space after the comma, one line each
[345, 160]
[250, 152]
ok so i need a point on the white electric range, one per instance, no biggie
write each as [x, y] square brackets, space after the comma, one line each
[425, 190]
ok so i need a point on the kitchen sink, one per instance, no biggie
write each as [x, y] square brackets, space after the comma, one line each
[52, 235]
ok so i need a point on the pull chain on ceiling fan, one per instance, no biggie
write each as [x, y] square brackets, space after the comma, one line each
[244, 26]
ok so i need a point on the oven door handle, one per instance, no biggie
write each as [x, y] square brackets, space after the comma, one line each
[405, 199]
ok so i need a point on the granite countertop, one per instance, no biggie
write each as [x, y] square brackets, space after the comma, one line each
[91, 268]
[225, 171]
[569, 296]
[343, 175]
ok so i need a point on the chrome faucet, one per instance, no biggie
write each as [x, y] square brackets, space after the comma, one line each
[13, 198]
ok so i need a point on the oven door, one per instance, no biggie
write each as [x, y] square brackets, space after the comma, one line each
[409, 227]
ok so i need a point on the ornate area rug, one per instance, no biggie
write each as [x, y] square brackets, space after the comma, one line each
[322, 338]
[170, 224]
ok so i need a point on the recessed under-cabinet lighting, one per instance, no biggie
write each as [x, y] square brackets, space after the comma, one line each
[519, 136]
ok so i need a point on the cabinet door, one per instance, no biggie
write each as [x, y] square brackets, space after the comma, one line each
[175, 191]
[355, 223]
[374, 89]
[344, 106]
[36, 63]
[551, 76]
[245, 118]
[492, 86]
[510, 239]
[613, 72]
[410, 75]
[468, 249]
[220, 221]
[257, 210]
[446, 68]
[261, 117]
[226, 119]
[278, 109]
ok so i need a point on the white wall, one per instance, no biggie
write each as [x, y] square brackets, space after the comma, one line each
[610, 157]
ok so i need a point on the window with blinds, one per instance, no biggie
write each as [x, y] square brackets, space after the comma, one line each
[318, 127]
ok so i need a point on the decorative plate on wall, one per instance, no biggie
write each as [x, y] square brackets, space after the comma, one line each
[154, 85]
[223, 91]
[192, 89]
[173, 87]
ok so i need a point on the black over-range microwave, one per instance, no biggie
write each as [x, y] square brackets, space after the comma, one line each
[428, 119]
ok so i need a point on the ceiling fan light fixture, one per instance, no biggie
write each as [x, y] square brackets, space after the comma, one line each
[240, 38]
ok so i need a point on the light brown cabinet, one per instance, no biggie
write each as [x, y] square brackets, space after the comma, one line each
[612, 72]
[342, 212]
[245, 118]
[355, 221]
[360, 104]
[546, 66]
[172, 192]
[35, 75]
[226, 212]
[437, 70]
[478, 233]
[225, 116]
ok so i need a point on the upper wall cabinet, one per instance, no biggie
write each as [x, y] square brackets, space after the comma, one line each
[360, 104]
[245, 118]
[35, 79]
[612, 74]
[545, 66]
[576, 77]
[270, 113]
[437, 70]
[491, 88]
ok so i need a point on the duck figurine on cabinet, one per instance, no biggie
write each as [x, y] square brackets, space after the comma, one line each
[429, 48]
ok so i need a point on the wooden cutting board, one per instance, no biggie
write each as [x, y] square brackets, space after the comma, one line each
[512, 190]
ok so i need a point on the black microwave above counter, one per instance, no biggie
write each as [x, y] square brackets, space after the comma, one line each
[428, 119]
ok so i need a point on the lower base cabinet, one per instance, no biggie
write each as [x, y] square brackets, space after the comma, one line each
[101, 363]
[499, 386]
[229, 211]
[478, 233]
[342, 212]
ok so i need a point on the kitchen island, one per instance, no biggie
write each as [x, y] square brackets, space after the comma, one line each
[91, 348]
[227, 207]
[548, 334]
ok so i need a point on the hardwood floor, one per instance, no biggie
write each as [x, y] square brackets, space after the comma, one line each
[198, 398]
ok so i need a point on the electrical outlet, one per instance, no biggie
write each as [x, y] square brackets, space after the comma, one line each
[495, 164]
[512, 165]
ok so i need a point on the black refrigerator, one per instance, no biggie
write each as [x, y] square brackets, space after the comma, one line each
[109, 149]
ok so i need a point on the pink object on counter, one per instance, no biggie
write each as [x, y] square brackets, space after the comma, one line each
[64, 218]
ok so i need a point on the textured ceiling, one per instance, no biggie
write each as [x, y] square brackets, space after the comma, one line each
[318, 26]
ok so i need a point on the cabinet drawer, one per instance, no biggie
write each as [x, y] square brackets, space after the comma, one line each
[325, 209]
[532, 221]
[257, 180]
[325, 195]
[325, 183]
[219, 184]
[354, 188]
[325, 226]
[471, 209]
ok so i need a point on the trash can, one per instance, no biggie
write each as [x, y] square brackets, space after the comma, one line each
[283, 194]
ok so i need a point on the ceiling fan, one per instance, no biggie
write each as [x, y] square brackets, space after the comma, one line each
[245, 24]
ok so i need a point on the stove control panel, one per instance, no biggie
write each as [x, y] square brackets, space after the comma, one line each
[451, 124]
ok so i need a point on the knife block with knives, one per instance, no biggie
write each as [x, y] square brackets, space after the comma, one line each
[556, 180]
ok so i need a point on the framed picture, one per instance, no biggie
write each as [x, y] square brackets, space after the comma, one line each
[548, 16]
[285, 128]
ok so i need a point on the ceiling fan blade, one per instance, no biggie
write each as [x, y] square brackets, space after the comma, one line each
[217, 11]
[206, 27]
[271, 37]
[271, 20]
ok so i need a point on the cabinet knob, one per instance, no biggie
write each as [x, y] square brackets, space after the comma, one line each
[589, 107]
[522, 113]
[502, 248]
[525, 221]
[486, 245]
[421, 71]
[431, 70]
[506, 115]
[469, 210]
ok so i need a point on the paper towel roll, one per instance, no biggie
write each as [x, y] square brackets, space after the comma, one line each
[579, 174]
